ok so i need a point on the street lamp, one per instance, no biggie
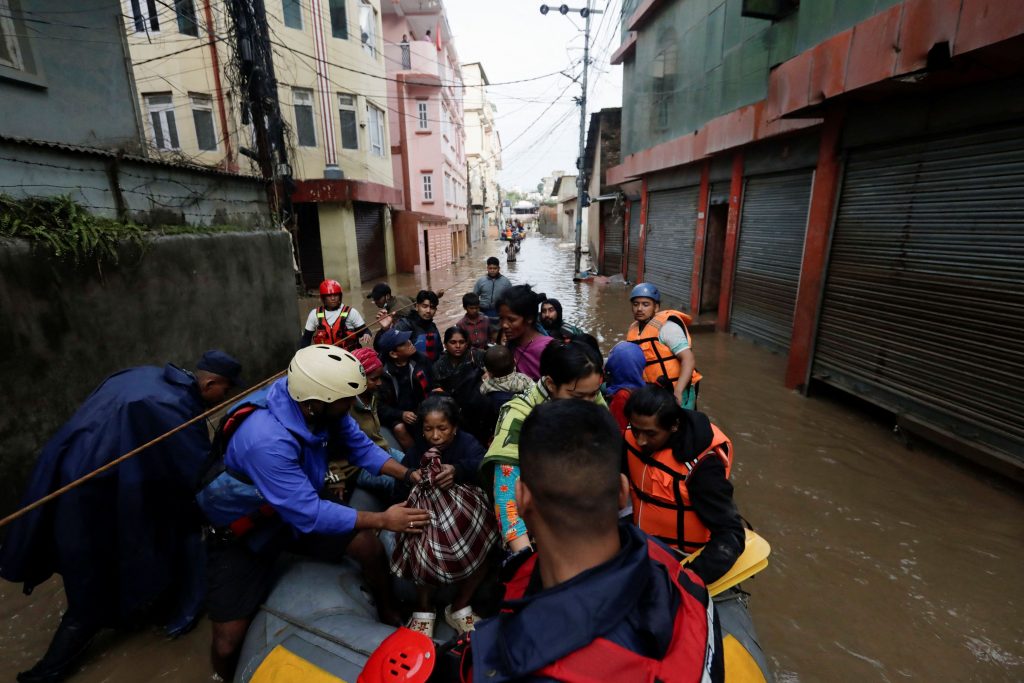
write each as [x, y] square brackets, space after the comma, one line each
[586, 13]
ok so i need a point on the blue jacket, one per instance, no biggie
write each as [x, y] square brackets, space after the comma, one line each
[629, 600]
[287, 462]
[129, 536]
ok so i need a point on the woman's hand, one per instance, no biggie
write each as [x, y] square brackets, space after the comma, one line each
[409, 417]
[446, 479]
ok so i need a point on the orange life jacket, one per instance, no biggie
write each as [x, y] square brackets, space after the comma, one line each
[661, 501]
[335, 334]
[660, 359]
[689, 653]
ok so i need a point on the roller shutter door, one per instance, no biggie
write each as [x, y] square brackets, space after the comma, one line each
[668, 260]
[924, 300]
[634, 241]
[772, 229]
[612, 226]
[370, 240]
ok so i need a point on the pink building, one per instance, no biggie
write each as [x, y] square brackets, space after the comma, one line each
[428, 150]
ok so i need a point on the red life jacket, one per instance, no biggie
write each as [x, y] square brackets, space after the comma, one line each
[335, 334]
[689, 654]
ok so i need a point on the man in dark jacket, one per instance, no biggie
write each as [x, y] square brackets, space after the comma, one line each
[404, 385]
[420, 322]
[128, 540]
[592, 584]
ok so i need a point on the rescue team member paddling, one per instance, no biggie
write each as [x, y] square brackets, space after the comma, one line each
[600, 600]
[263, 497]
[334, 322]
[665, 342]
[679, 466]
[131, 537]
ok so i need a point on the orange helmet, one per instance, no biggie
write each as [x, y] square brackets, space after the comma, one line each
[330, 287]
[405, 656]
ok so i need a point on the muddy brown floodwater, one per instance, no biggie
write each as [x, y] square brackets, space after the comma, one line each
[888, 563]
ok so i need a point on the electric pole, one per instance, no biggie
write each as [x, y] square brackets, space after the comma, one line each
[585, 12]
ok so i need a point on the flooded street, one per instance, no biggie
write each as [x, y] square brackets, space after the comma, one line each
[888, 563]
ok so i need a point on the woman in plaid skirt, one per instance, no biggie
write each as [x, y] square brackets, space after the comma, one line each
[453, 549]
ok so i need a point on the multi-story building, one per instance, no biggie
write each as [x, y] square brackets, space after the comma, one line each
[483, 154]
[426, 88]
[841, 182]
[328, 61]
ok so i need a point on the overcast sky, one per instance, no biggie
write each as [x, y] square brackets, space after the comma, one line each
[513, 41]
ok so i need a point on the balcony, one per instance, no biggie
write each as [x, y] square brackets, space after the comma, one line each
[417, 57]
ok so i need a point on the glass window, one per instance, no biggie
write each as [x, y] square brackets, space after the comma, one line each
[144, 16]
[202, 116]
[376, 131]
[305, 131]
[292, 13]
[186, 11]
[161, 116]
[349, 125]
[424, 121]
[10, 53]
[339, 19]
[368, 28]
[428, 187]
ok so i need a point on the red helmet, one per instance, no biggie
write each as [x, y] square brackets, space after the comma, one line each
[405, 656]
[330, 287]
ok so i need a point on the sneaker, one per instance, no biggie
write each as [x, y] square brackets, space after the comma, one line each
[422, 622]
[463, 621]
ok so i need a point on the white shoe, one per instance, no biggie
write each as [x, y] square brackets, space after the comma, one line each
[463, 621]
[422, 622]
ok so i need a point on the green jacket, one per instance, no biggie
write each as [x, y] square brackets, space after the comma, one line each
[366, 417]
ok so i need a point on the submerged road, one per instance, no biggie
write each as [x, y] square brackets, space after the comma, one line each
[888, 563]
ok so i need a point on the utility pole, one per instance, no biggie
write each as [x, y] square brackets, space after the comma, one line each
[585, 12]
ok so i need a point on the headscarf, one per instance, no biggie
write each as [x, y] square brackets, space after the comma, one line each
[369, 359]
[625, 367]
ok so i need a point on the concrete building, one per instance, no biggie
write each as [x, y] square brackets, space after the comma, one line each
[840, 181]
[329, 64]
[483, 154]
[605, 215]
[564, 192]
[426, 87]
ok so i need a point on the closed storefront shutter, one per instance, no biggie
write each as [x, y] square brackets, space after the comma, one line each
[771, 243]
[612, 226]
[923, 307]
[370, 240]
[634, 241]
[439, 247]
[668, 260]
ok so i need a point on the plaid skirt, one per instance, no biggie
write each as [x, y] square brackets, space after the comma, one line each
[455, 544]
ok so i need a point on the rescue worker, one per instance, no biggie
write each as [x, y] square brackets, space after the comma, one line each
[679, 465]
[334, 322]
[130, 538]
[263, 497]
[666, 344]
[599, 599]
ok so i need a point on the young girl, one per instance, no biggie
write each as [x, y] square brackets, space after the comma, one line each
[518, 310]
[573, 370]
[458, 373]
[624, 374]
[454, 548]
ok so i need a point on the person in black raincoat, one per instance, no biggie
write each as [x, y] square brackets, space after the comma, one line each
[127, 543]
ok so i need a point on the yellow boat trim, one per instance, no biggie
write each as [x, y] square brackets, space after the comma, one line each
[284, 666]
[753, 559]
[740, 667]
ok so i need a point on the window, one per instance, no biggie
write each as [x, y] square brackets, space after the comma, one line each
[292, 13]
[202, 116]
[161, 116]
[302, 100]
[10, 50]
[376, 130]
[349, 125]
[424, 121]
[368, 27]
[144, 16]
[186, 10]
[339, 19]
[428, 187]
[17, 58]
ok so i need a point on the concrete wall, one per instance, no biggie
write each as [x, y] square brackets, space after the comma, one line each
[75, 86]
[65, 330]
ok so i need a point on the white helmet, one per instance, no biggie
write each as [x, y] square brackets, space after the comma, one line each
[325, 373]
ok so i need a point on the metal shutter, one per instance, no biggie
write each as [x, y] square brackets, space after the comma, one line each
[370, 240]
[668, 259]
[634, 241]
[924, 301]
[771, 246]
[612, 226]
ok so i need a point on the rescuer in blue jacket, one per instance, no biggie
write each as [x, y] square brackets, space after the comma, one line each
[129, 539]
[268, 494]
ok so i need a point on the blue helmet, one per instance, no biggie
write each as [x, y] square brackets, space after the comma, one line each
[646, 289]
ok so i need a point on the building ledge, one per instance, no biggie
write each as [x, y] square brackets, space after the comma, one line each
[643, 13]
[324, 190]
[625, 51]
[424, 132]
[416, 78]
